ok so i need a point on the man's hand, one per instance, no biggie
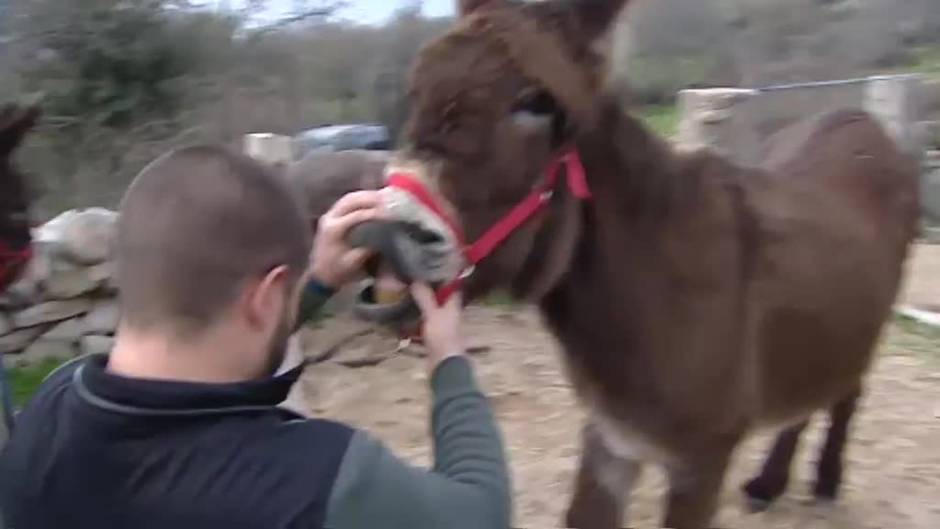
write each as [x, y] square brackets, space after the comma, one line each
[441, 332]
[334, 262]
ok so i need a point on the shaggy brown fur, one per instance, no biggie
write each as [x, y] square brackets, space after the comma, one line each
[15, 122]
[695, 300]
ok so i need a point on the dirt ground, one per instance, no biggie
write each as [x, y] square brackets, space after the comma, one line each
[892, 475]
[922, 287]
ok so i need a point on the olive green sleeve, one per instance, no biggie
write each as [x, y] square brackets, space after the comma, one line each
[312, 299]
[468, 487]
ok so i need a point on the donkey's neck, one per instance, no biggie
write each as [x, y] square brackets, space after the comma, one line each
[619, 272]
[632, 167]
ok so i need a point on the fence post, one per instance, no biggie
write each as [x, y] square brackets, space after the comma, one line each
[719, 119]
[893, 101]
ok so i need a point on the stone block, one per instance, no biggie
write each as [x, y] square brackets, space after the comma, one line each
[85, 237]
[103, 318]
[67, 331]
[895, 102]
[94, 344]
[68, 284]
[720, 120]
[18, 340]
[51, 312]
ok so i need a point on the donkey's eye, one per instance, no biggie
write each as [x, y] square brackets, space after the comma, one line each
[535, 101]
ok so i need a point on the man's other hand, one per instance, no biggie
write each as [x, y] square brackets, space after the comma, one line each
[334, 262]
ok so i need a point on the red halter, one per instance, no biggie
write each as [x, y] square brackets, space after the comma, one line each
[499, 232]
[12, 262]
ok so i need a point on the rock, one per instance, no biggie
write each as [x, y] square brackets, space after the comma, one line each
[50, 312]
[86, 236]
[41, 350]
[6, 325]
[67, 331]
[22, 294]
[16, 341]
[103, 318]
[40, 265]
[94, 344]
[72, 283]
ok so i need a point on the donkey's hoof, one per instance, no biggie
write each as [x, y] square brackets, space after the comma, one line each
[826, 492]
[761, 493]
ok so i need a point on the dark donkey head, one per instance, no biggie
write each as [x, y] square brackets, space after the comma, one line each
[494, 102]
[15, 122]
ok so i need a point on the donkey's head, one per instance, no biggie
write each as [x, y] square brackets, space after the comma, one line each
[15, 122]
[494, 102]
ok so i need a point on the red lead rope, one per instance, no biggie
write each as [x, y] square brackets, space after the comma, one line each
[499, 232]
[12, 263]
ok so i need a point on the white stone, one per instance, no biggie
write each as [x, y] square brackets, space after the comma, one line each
[103, 318]
[718, 119]
[51, 311]
[68, 284]
[86, 236]
[18, 340]
[67, 331]
[893, 100]
[94, 344]
[269, 148]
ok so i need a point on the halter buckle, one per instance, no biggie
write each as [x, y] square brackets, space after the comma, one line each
[467, 272]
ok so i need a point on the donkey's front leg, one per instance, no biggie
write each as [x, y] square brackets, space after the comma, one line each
[694, 489]
[602, 486]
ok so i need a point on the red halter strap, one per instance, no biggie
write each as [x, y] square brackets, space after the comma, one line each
[12, 262]
[505, 227]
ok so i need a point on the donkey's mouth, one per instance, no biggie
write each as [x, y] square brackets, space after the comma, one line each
[404, 252]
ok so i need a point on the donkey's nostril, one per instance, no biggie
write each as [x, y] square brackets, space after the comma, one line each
[421, 235]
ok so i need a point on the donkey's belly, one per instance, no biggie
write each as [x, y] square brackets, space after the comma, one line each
[625, 441]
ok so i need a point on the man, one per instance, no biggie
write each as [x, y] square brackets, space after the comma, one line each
[178, 427]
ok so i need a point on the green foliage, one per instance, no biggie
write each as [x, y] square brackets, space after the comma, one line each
[656, 79]
[110, 66]
[915, 336]
[24, 381]
[924, 60]
[664, 119]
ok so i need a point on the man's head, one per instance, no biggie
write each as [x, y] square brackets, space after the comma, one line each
[211, 247]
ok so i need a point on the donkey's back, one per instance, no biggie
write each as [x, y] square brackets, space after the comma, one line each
[835, 212]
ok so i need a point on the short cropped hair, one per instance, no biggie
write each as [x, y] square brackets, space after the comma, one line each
[194, 226]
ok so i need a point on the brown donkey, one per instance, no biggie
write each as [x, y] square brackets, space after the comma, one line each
[15, 239]
[695, 300]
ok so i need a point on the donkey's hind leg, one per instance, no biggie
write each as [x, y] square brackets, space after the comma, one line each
[829, 468]
[774, 475]
[602, 486]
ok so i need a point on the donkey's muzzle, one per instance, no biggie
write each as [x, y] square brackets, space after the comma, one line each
[407, 252]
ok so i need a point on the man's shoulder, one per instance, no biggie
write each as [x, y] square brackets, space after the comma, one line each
[52, 388]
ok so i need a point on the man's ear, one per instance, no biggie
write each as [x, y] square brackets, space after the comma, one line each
[266, 297]
[467, 7]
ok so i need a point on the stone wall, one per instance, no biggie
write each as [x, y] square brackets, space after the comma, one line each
[736, 123]
[64, 305]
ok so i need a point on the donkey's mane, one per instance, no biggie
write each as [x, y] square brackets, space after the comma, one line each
[534, 46]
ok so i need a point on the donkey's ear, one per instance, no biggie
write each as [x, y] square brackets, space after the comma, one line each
[466, 7]
[595, 17]
[15, 122]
